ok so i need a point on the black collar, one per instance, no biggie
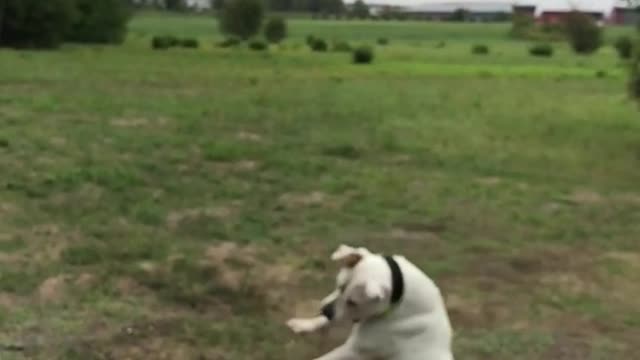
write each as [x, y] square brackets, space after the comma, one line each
[397, 280]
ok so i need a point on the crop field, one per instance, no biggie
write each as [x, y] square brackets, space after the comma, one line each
[182, 204]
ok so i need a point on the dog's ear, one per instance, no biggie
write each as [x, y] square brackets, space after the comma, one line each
[348, 256]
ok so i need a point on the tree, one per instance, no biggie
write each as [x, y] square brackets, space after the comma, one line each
[280, 5]
[175, 5]
[35, 23]
[360, 10]
[459, 15]
[100, 21]
[217, 5]
[584, 35]
[333, 7]
[275, 30]
[634, 82]
[242, 18]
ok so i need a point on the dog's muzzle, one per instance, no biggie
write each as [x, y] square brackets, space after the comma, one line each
[329, 310]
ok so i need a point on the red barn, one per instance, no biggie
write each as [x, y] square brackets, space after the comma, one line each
[603, 11]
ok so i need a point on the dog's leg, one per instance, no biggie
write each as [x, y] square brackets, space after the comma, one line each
[344, 352]
[307, 325]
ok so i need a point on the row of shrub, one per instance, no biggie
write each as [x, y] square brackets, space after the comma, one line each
[166, 42]
[48, 24]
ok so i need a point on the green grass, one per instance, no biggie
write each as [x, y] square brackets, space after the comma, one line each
[127, 172]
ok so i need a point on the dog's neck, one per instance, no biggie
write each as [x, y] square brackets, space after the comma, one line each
[397, 280]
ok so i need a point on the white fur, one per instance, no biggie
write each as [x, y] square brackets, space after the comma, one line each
[417, 328]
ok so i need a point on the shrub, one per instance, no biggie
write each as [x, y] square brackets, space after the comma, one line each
[363, 55]
[319, 45]
[441, 44]
[103, 22]
[162, 42]
[541, 50]
[258, 45]
[229, 42]
[341, 46]
[383, 41]
[583, 33]
[190, 43]
[480, 49]
[275, 30]
[310, 39]
[624, 47]
[242, 18]
[35, 23]
[634, 83]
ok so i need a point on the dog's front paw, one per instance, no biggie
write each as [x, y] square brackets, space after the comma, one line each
[302, 326]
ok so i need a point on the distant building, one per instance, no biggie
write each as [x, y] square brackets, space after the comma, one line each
[544, 11]
[602, 11]
[462, 10]
[199, 4]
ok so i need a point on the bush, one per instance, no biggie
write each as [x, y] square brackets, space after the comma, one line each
[242, 18]
[275, 30]
[583, 33]
[319, 45]
[258, 45]
[541, 50]
[341, 46]
[161, 42]
[35, 23]
[229, 42]
[363, 55]
[624, 46]
[480, 49]
[102, 22]
[190, 43]
[441, 44]
[383, 41]
[634, 83]
[310, 39]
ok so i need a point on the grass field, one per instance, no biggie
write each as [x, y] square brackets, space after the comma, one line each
[182, 204]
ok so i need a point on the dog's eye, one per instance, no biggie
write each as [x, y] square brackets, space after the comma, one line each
[351, 303]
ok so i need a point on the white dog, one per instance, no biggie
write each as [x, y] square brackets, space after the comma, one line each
[397, 310]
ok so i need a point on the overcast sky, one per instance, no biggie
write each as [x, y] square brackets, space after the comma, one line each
[548, 2]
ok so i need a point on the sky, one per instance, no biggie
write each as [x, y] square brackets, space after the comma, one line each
[538, 2]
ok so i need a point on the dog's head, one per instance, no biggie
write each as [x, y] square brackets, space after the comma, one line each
[363, 285]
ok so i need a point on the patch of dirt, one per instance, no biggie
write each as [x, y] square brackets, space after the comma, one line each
[6, 208]
[569, 347]
[489, 181]
[53, 289]
[9, 301]
[569, 282]
[311, 199]
[584, 197]
[85, 281]
[497, 289]
[249, 136]
[240, 267]
[627, 198]
[127, 287]
[175, 218]
[240, 166]
[138, 121]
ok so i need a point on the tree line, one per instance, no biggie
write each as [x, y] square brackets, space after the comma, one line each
[336, 8]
